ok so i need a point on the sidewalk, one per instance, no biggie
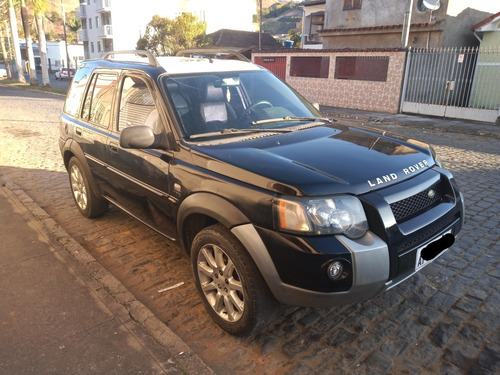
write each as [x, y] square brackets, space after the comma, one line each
[56, 318]
[416, 121]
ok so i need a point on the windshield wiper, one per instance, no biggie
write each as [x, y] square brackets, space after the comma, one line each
[292, 118]
[233, 131]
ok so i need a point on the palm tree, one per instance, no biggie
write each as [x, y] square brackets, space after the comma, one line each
[15, 42]
[29, 46]
[39, 8]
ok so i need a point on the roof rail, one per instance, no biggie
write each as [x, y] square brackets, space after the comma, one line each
[151, 58]
[213, 52]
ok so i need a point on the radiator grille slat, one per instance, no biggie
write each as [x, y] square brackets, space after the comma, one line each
[412, 206]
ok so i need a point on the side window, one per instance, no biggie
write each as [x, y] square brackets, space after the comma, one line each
[98, 102]
[137, 105]
[76, 92]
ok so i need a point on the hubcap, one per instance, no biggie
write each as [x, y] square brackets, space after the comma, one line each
[78, 188]
[220, 282]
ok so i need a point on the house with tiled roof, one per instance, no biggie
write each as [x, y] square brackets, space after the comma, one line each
[488, 30]
[243, 41]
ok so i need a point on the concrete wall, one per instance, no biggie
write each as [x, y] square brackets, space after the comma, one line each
[364, 95]
[376, 13]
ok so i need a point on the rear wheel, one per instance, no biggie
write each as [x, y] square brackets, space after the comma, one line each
[231, 287]
[88, 202]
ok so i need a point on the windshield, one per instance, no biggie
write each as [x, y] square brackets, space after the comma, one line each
[223, 103]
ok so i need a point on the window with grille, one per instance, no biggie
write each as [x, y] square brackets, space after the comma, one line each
[362, 68]
[309, 66]
[352, 4]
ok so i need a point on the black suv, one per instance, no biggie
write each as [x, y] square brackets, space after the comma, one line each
[270, 200]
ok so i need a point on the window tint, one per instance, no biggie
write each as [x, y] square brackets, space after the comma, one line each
[206, 103]
[137, 105]
[99, 99]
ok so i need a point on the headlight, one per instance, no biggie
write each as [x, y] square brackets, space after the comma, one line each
[436, 157]
[336, 215]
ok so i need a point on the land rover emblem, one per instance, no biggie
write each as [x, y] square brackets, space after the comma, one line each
[431, 193]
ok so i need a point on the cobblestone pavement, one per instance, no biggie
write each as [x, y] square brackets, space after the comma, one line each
[444, 320]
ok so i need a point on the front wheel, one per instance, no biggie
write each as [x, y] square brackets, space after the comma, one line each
[89, 203]
[231, 287]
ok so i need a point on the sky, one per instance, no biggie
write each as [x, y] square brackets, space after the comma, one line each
[456, 6]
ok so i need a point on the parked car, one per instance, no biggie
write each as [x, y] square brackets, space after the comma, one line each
[271, 201]
[62, 73]
[3, 72]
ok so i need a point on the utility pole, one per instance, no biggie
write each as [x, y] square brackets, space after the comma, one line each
[66, 41]
[260, 25]
[406, 25]
[15, 41]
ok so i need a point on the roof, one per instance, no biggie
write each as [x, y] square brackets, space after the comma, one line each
[172, 64]
[242, 39]
[310, 3]
[182, 65]
[485, 22]
[377, 28]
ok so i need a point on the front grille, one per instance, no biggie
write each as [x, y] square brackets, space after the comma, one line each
[412, 206]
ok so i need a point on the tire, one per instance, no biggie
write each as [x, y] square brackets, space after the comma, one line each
[230, 284]
[89, 203]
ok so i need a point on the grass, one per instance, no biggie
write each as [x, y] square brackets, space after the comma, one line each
[11, 82]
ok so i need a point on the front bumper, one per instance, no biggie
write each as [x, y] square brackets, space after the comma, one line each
[293, 267]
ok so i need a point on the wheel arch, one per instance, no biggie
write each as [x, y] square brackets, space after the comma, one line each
[201, 210]
[72, 149]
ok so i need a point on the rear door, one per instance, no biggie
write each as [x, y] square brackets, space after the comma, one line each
[90, 123]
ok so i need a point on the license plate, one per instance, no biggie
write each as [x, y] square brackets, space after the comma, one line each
[438, 246]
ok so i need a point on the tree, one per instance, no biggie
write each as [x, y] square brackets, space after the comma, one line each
[296, 37]
[166, 37]
[29, 45]
[5, 54]
[39, 8]
[15, 42]
[73, 25]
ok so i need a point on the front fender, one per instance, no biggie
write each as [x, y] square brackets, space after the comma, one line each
[208, 205]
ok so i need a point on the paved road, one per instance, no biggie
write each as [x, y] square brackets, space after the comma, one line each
[443, 320]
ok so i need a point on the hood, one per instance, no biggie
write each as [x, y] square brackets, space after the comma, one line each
[319, 161]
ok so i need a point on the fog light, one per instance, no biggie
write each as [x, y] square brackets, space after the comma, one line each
[335, 270]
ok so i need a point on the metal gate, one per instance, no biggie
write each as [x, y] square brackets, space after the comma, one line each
[277, 65]
[453, 82]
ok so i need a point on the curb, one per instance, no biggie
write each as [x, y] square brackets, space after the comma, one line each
[126, 306]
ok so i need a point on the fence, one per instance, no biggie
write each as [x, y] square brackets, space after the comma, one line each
[453, 82]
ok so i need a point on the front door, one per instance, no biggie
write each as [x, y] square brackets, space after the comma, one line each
[140, 177]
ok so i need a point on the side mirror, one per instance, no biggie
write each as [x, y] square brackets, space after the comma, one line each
[140, 137]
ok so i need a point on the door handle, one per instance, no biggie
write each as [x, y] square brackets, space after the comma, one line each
[113, 147]
[78, 131]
